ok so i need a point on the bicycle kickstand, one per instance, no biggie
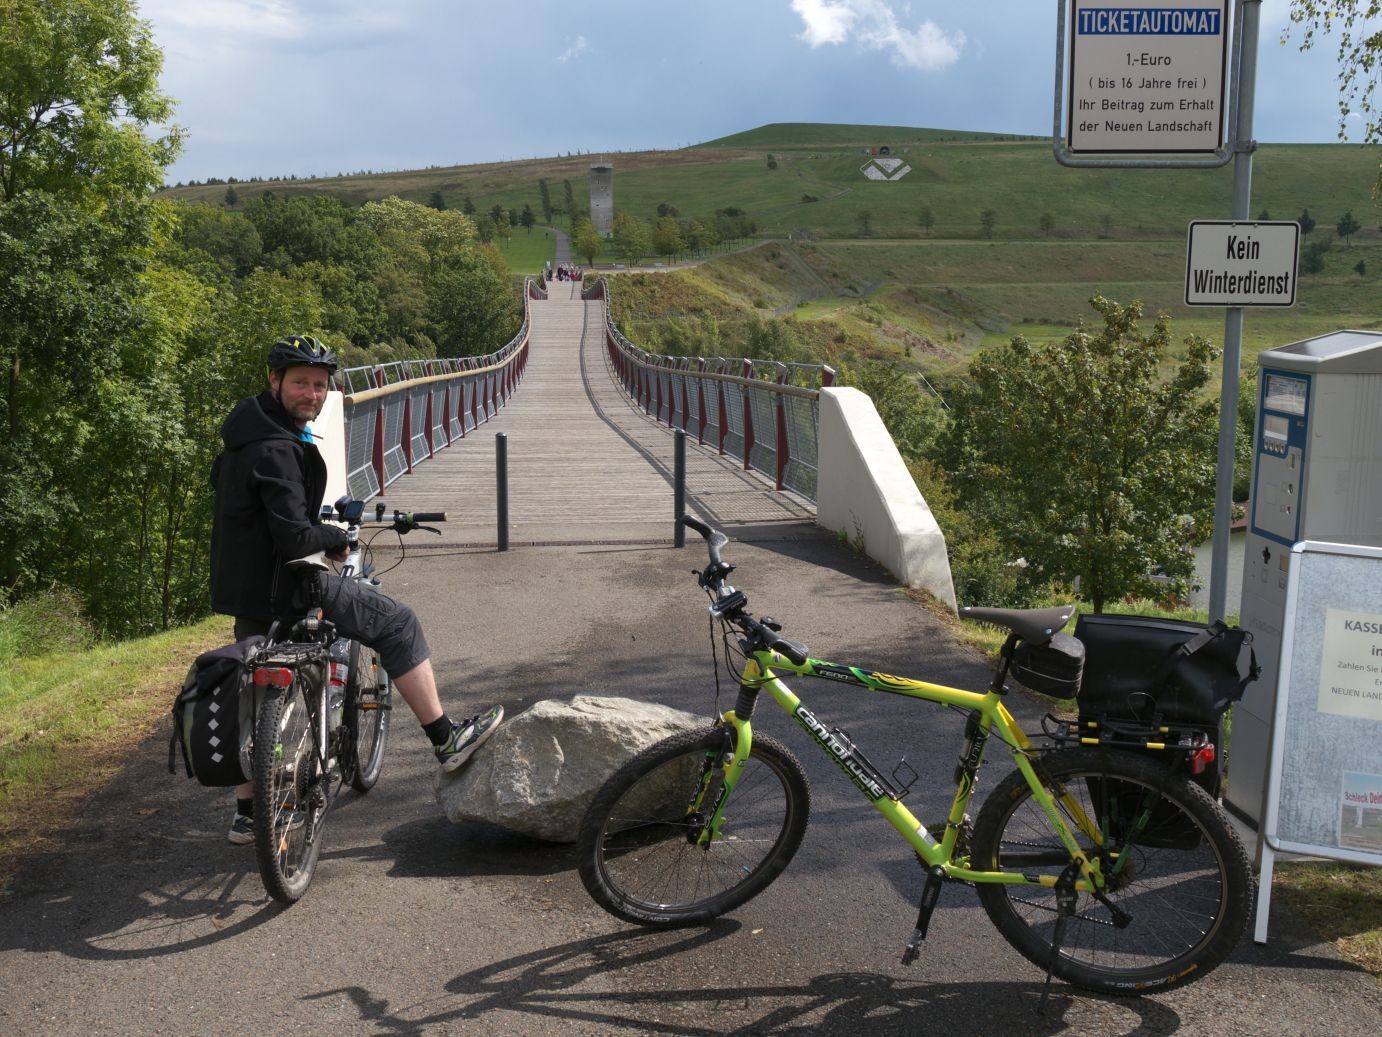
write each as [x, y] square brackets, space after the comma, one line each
[930, 894]
[1066, 901]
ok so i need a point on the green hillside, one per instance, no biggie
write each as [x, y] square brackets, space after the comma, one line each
[820, 134]
[888, 265]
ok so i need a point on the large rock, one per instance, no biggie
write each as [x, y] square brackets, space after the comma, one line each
[538, 773]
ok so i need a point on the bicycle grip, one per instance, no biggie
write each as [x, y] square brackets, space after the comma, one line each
[428, 516]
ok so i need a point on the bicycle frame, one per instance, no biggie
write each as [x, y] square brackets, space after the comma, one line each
[992, 717]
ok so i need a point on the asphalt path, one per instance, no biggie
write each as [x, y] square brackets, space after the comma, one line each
[148, 922]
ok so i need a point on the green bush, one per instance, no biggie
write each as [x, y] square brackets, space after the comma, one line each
[43, 624]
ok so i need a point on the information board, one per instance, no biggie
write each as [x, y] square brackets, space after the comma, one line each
[1324, 771]
[1147, 77]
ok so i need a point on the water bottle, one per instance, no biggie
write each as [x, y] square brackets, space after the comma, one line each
[340, 673]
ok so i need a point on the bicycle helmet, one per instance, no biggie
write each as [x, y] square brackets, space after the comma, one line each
[297, 350]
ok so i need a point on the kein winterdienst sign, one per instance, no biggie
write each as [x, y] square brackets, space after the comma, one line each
[1147, 77]
[1241, 263]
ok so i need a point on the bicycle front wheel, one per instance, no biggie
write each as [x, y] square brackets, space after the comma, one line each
[1173, 863]
[289, 792]
[638, 845]
[368, 700]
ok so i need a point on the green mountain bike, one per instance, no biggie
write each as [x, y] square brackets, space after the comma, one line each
[1105, 868]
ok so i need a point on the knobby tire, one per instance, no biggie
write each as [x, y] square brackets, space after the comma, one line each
[368, 701]
[287, 786]
[637, 849]
[1185, 878]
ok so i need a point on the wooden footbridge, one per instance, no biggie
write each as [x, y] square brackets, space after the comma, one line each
[585, 463]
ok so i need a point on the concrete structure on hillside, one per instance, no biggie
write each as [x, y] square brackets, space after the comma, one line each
[602, 198]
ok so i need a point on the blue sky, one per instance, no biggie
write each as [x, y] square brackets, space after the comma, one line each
[268, 87]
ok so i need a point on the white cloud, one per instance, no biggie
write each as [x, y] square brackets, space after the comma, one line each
[575, 50]
[873, 24]
[827, 21]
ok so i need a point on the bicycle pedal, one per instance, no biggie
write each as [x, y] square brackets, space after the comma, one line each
[912, 951]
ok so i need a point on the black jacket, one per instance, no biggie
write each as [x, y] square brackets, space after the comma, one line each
[269, 486]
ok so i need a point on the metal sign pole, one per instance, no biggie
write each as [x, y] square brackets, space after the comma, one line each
[1243, 147]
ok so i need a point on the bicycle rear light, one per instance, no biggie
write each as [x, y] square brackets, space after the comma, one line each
[272, 676]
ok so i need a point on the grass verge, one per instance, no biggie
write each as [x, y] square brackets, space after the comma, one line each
[69, 720]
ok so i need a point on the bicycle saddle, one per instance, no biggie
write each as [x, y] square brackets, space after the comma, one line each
[308, 563]
[1034, 625]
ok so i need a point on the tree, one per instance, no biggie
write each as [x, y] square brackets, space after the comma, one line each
[232, 199]
[527, 218]
[1101, 470]
[437, 201]
[1348, 226]
[79, 87]
[1312, 257]
[1359, 56]
[585, 239]
[570, 198]
[630, 237]
[1306, 221]
[471, 304]
[772, 161]
[1047, 223]
[667, 237]
[927, 219]
[864, 219]
[1264, 215]
[546, 197]
[1361, 268]
[986, 219]
[468, 207]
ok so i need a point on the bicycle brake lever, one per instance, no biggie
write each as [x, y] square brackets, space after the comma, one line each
[429, 529]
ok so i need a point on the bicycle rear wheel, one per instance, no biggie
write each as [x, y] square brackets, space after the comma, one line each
[1173, 861]
[289, 792]
[368, 701]
[637, 846]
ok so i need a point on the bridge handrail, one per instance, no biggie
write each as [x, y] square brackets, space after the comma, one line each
[760, 415]
[408, 409]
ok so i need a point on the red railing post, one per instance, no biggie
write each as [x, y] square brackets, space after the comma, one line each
[377, 451]
[827, 376]
[700, 401]
[428, 415]
[748, 415]
[782, 453]
[724, 408]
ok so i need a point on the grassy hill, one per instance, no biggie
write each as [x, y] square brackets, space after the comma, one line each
[862, 260]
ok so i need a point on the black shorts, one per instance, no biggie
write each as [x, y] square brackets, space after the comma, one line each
[365, 615]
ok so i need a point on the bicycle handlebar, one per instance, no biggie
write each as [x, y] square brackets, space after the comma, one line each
[713, 537]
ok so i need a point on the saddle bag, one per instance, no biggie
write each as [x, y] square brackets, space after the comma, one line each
[1159, 670]
[213, 716]
[1053, 668]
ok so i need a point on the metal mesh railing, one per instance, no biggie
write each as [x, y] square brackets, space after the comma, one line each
[400, 414]
[763, 412]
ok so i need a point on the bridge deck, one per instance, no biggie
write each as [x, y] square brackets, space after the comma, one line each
[585, 465]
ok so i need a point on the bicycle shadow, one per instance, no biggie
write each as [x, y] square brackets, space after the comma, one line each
[570, 983]
[143, 871]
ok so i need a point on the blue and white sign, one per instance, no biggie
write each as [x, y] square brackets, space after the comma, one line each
[1147, 77]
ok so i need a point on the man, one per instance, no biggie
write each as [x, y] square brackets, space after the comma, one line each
[269, 484]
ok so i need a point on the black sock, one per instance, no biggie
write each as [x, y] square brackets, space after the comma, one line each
[245, 807]
[439, 730]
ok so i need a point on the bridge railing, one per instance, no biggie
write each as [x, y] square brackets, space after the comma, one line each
[400, 414]
[763, 412]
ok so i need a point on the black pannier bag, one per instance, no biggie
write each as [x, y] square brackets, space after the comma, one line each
[213, 716]
[1161, 670]
[1052, 668]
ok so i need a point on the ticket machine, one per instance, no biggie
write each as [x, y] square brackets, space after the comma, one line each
[1317, 475]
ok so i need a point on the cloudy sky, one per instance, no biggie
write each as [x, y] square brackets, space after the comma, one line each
[268, 87]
